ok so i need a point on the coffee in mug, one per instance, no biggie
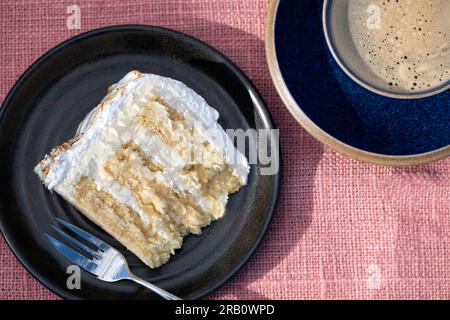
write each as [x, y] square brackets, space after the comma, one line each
[404, 42]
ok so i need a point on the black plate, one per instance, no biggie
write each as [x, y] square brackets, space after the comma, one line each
[52, 97]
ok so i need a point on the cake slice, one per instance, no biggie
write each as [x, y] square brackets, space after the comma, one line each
[150, 164]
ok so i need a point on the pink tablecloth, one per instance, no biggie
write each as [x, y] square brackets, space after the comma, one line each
[343, 229]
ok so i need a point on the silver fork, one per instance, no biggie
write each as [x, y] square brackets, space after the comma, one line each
[107, 263]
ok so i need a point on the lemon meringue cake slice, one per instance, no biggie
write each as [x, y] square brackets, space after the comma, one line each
[132, 167]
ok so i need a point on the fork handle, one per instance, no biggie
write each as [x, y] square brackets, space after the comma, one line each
[163, 293]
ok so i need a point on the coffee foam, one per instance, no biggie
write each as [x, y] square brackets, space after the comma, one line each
[404, 42]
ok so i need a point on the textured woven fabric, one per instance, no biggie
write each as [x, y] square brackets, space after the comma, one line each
[343, 229]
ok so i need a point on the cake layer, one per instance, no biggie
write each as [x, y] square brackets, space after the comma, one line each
[181, 210]
[124, 224]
